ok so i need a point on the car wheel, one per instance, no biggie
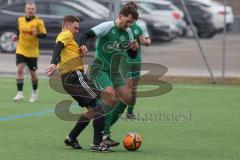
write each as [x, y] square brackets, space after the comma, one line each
[207, 34]
[204, 33]
[6, 42]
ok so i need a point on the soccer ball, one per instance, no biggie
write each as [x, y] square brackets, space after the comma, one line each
[132, 141]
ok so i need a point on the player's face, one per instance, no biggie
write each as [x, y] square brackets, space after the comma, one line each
[125, 21]
[74, 27]
[30, 10]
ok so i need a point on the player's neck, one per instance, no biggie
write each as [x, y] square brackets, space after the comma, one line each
[29, 18]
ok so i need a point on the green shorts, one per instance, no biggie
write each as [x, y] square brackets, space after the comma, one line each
[104, 80]
[131, 68]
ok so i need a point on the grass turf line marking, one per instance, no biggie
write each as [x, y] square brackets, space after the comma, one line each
[2, 119]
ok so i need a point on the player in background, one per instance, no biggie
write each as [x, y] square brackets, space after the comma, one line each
[140, 33]
[30, 29]
[114, 40]
[67, 57]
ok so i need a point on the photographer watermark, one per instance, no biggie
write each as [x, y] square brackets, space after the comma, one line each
[160, 116]
[89, 89]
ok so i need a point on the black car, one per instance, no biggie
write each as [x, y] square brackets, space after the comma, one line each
[201, 18]
[52, 12]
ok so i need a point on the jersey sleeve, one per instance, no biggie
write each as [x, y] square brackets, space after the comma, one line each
[64, 37]
[41, 27]
[103, 28]
[143, 27]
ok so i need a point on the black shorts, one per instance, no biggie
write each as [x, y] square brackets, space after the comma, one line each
[30, 62]
[80, 88]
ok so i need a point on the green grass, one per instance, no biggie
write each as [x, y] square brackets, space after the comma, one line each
[198, 122]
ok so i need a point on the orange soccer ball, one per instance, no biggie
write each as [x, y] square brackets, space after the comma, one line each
[132, 141]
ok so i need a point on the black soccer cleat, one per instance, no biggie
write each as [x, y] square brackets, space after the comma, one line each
[74, 144]
[109, 142]
[100, 148]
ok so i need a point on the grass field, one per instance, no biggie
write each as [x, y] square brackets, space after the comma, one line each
[199, 122]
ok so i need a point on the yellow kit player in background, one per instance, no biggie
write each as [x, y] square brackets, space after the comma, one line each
[30, 29]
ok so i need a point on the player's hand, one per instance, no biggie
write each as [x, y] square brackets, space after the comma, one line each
[35, 31]
[134, 45]
[142, 39]
[145, 40]
[50, 70]
[83, 50]
[14, 38]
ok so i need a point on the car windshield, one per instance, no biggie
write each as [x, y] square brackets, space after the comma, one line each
[84, 10]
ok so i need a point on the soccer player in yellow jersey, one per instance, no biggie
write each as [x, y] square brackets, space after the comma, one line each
[67, 57]
[30, 28]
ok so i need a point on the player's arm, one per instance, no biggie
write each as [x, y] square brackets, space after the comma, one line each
[83, 38]
[97, 31]
[15, 37]
[144, 38]
[40, 32]
[41, 35]
[56, 58]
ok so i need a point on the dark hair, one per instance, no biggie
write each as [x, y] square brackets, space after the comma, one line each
[129, 10]
[131, 4]
[70, 18]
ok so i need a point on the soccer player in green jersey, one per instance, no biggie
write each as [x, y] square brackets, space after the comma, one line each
[114, 40]
[130, 69]
[141, 34]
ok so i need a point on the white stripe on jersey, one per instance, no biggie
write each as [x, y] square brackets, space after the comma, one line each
[103, 28]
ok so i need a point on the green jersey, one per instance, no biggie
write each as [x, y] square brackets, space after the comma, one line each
[139, 29]
[110, 41]
[111, 45]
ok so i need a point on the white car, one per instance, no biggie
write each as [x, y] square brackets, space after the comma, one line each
[163, 11]
[217, 10]
[94, 7]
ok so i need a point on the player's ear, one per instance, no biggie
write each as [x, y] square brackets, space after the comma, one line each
[66, 25]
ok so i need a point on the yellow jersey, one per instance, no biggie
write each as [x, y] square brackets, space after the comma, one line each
[71, 58]
[28, 44]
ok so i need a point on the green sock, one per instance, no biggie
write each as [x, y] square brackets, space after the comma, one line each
[116, 114]
[130, 109]
[113, 116]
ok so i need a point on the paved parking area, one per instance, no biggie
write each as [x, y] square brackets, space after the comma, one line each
[182, 57]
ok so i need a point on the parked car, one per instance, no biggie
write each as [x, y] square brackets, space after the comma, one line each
[201, 18]
[165, 11]
[158, 32]
[4, 2]
[52, 12]
[217, 10]
[95, 7]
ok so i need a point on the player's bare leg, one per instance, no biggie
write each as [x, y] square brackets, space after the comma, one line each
[124, 97]
[107, 99]
[34, 94]
[132, 83]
